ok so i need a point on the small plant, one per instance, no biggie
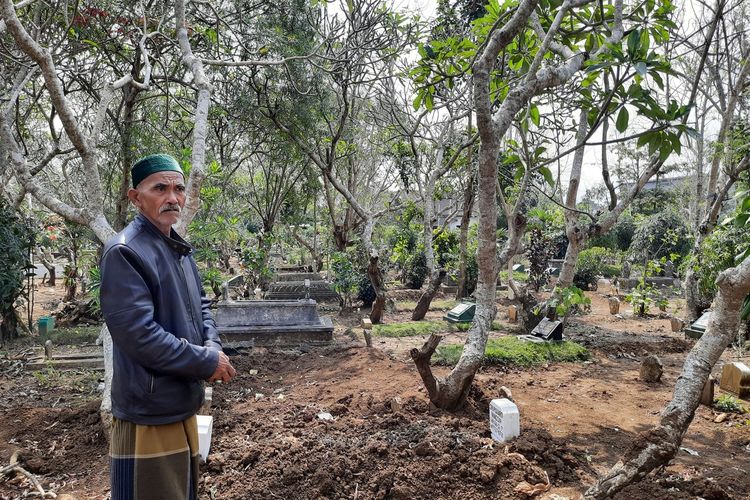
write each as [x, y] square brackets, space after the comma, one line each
[641, 297]
[95, 282]
[566, 301]
[662, 303]
[46, 377]
[213, 279]
[728, 404]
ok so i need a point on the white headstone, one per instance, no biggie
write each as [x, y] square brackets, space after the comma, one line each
[504, 420]
[205, 427]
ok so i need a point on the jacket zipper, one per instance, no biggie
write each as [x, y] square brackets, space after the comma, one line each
[188, 302]
[151, 385]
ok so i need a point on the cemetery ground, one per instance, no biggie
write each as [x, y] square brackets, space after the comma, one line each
[272, 439]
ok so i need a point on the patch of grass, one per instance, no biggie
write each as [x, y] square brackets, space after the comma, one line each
[511, 351]
[463, 327]
[409, 329]
[74, 335]
[414, 328]
[435, 305]
[517, 276]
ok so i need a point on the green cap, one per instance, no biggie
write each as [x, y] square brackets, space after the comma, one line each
[151, 164]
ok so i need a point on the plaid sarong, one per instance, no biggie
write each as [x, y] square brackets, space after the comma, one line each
[154, 461]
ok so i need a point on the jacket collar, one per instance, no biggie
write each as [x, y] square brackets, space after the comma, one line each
[173, 241]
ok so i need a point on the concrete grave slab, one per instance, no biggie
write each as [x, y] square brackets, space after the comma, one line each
[735, 378]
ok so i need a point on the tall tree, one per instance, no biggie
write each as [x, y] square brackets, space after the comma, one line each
[506, 79]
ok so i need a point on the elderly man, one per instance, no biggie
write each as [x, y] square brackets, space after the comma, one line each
[165, 342]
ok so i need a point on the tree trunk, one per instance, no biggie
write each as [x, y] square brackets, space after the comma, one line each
[440, 392]
[340, 237]
[378, 284]
[105, 409]
[46, 258]
[8, 325]
[568, 271]
[469, 196]
[662, 443]
[423, 305]
[126, 156]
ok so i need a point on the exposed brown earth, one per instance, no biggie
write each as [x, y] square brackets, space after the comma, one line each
[384, 440]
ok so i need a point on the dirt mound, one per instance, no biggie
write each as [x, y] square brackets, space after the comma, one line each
[619, 343]
[563, 464]
[663, 486]
[380, 440]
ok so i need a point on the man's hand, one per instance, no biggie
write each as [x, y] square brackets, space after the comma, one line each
[224, 370]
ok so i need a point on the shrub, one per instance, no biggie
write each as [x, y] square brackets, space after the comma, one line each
[416, 271]
[346, 278]
[365, 291]
[592, 263]
[472, 273]
[16, 242]
[541, 249]
[665, 234]
[718, 253]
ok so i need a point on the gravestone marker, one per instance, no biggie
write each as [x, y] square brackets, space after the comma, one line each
[462, 313]
[698, 328]
[548, 329]
[651, 369]
[677, 324]
[707, 395]
[250, 323]
[735, 378]
[626, 270]
[513, 313]
[614, 305]
[504, 420]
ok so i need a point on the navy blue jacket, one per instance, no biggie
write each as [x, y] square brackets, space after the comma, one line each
[165, 340]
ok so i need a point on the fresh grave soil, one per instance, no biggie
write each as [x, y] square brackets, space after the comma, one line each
[347, 421]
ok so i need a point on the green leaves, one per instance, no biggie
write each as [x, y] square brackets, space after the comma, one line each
[442, 64]
[633, 44]
[622, 120]
[534, 114]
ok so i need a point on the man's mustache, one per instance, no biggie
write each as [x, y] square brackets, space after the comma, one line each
[170, 207]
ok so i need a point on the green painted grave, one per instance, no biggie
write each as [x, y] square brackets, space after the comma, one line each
[462, 313]
[698, 327]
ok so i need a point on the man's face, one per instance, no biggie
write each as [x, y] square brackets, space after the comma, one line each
[160, 197]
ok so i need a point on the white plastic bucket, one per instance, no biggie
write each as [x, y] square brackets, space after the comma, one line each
[504, 420]
[205, 427]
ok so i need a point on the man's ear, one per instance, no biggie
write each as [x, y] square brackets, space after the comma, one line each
[133, 197]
